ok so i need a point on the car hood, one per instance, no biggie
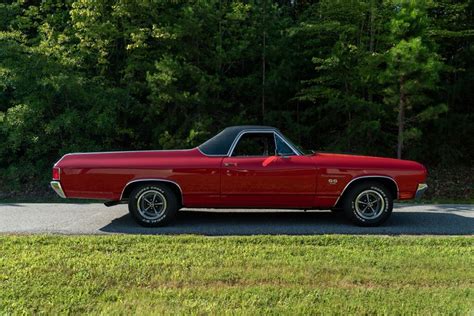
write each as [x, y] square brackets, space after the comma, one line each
[368, 162]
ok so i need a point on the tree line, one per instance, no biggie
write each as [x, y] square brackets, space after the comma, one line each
[391, 78]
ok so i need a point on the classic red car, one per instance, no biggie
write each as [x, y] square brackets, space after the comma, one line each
[241, 167]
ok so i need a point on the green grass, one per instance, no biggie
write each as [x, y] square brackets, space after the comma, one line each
[244, 275]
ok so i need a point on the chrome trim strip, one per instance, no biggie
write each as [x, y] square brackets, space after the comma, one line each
[147, 180]
[60, 160]
[422, 187]
[118, 152]
[125, 151]
[261, 131]
[56, 186]
[275, 135]
[239, 136]
[209, 155]
[362, 177]
[283, 138]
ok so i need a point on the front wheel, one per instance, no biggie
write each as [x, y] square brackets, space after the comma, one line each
[153, 205]
[368, 204]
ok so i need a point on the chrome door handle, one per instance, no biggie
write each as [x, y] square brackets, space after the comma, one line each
[230, 164]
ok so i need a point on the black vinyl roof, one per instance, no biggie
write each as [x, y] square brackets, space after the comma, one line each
[219, 145]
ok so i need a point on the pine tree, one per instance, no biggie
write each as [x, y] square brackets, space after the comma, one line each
[412, 71]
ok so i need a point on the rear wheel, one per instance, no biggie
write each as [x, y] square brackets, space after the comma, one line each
[368, 204]
[153, 205]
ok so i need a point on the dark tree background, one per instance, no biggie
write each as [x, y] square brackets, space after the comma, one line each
[372, 77]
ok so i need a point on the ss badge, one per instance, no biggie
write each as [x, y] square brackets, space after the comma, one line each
[332, 181]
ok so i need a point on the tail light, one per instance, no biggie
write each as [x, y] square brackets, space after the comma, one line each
[56, 174]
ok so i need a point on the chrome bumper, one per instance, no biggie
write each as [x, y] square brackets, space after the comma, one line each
[422, 187]
[58, 189]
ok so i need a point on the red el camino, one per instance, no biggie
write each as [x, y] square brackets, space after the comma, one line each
[241, 167]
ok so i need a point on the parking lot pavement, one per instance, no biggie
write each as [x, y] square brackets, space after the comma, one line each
[66, 218]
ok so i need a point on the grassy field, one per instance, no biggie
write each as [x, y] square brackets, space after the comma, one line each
[243, 275]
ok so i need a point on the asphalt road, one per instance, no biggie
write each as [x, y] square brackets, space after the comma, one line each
[37, 218]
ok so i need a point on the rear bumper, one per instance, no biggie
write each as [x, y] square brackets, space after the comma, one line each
[56, 185]
[422, 187]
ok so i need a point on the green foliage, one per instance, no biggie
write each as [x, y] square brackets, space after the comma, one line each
[83, 75]
[236, 275]
[341, 99]
[412, 70]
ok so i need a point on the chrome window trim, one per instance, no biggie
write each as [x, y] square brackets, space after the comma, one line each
[363, 177]
[239, 136]
[283, 138]
[260, 131]
[275, 135]
[148, 180]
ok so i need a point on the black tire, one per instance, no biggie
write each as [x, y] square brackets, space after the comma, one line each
[368, 204]
[153, 214]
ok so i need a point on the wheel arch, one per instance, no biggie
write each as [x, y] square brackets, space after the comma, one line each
[387, 181]
[128, 188]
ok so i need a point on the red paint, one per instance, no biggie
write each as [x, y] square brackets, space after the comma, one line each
[268, 182]
[293, 182]
[56, 174]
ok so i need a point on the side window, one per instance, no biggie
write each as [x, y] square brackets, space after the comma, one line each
[282, 149]
[255, 144]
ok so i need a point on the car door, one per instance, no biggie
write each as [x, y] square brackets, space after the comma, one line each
[263, 171]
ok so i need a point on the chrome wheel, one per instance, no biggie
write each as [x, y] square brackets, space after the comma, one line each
[369, 204]
[151, 204]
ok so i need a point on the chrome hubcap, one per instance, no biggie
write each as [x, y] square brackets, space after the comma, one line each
[151, 204]
[369, 204]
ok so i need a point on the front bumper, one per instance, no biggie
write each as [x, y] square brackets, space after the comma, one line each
[56, 185]
[422, 187]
